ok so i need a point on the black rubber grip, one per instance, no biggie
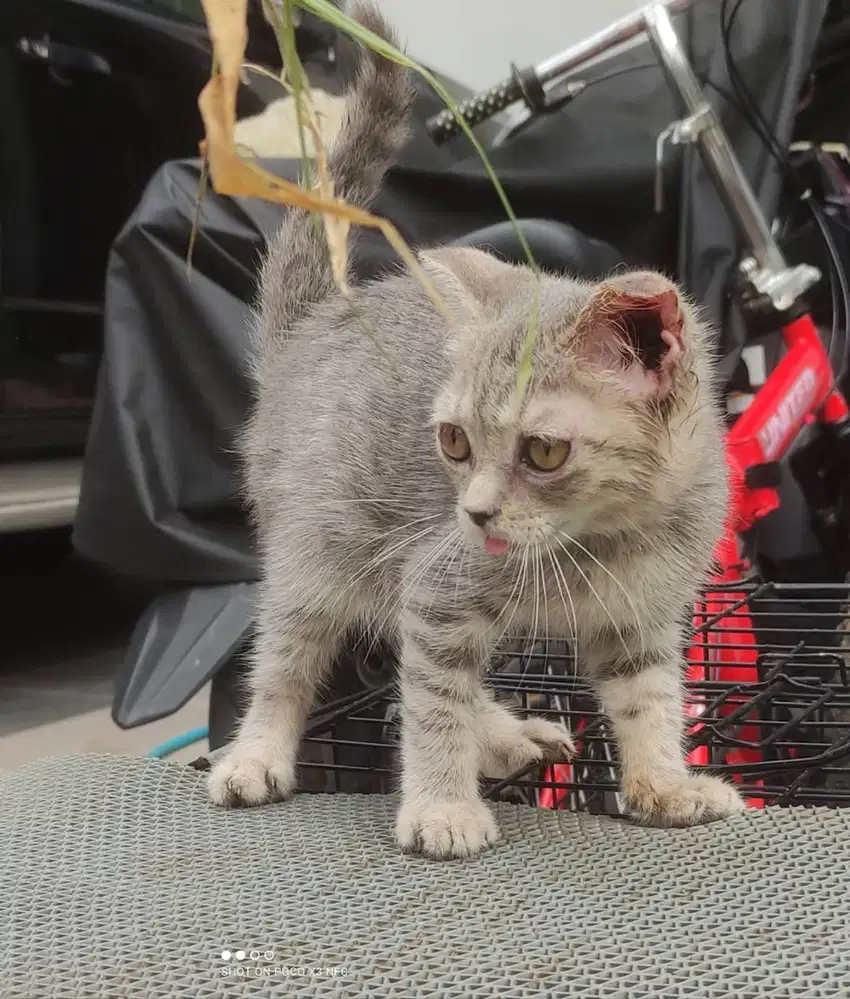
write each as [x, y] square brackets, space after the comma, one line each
[475, 110]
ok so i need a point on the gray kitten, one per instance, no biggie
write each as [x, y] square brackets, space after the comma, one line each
[398, 485]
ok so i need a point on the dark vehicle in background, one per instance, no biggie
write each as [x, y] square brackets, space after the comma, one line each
[94, 96]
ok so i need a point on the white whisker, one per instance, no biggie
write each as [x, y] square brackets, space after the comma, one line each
[599, 599]
[618, 584]
[464, 552]
[535, 564]
[361, 500]
[545, 616]
[518, 588]
[376, 538]
[409, 581]
[389, 553]
[439, 580]
[559, 580]
[638, 531]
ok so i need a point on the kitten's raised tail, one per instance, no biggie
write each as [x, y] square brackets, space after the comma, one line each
[296, 271]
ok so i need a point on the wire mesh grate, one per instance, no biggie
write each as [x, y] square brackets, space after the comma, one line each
[767, 703]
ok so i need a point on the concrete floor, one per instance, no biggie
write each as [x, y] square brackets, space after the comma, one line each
[65, 629]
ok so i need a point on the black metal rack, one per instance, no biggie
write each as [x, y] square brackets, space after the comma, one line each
[779, 725]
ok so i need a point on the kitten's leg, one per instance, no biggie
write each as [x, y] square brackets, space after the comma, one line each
[643, 697]
[293, 655]
[442, 813]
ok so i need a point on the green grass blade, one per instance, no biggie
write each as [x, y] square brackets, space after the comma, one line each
[203, 185]
[283, 26]
[525, 371]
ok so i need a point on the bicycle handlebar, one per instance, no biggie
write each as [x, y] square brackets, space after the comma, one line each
[475, 110]
[528, 84]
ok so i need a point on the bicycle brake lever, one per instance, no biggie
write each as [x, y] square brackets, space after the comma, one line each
[660, 145]
[684, 131]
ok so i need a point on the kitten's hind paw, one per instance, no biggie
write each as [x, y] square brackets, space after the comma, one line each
[689, 802]
[445, 829]
[246, 778]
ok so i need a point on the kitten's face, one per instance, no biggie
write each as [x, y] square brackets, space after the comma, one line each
[596, 434]
[566, 465]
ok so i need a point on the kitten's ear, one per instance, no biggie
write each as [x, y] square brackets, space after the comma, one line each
[471, 278]
[633, 327]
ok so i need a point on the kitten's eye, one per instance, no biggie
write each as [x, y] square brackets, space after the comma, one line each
[545, 456]
[454, 442]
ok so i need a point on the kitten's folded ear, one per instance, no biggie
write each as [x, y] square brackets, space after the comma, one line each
[471, 279]
[633, 327]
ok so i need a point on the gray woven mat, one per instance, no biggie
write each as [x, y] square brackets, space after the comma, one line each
[118, 880]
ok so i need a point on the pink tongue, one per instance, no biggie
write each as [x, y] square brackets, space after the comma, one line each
[495, 546]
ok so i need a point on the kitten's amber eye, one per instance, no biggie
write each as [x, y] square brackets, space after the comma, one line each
[454, 442]
[545, 456]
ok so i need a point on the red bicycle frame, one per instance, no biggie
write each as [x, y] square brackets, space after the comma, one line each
[800, 390]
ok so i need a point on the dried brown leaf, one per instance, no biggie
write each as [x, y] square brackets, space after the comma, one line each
[232, 176]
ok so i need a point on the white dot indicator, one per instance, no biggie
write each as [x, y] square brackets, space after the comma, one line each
[240, 955]
[225, 955]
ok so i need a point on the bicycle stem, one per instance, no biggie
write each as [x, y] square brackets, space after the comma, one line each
[717, 153]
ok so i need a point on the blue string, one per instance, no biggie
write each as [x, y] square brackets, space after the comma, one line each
[180, 742]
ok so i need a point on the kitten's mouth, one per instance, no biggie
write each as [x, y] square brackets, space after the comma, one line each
[496, 546]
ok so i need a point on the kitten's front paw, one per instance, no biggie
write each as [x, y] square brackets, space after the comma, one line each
[531, 740]
[554, 742]
[689, 802]
[444, 829]
[247, 777]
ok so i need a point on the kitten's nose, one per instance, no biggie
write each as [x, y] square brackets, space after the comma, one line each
[480, 517]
